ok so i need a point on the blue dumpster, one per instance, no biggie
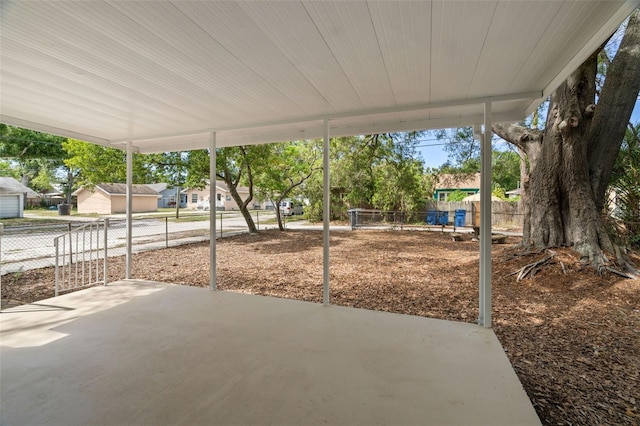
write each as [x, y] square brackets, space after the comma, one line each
[442, 218]
[431, 217]
[461, 215]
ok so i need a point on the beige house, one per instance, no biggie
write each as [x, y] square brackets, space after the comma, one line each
[198, 199]
[110, 198]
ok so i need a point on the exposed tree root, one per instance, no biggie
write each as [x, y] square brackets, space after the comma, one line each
[564, 270]
[622, 274]
[628, 269]
[598, 262]
[532, 268]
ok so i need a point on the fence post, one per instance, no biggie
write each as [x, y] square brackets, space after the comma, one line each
[70, 246]
[166, 232]
[220, 225]
[55, 241]
[258, 219]
[106, 245]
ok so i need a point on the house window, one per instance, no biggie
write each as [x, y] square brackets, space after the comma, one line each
[228, 197]
[194, 198]
[442, 196]
[219, 197]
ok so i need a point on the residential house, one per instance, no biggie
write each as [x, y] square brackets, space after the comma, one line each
[448, 183]
[514, 193]
[168, 195]
[13, 197]
[110, 198]
[199, 198]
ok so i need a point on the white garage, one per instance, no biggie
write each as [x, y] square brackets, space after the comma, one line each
[11, 205]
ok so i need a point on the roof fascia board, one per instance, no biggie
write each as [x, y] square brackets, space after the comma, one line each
[101, 189]
[12, 121]
[360, 113]
[337, 131]
[137, 195]
[598, 38]
[420, 125]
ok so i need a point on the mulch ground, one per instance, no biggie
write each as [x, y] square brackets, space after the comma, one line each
[572, 335]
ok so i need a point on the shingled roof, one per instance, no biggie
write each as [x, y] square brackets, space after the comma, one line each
[9, 185]
[121, 189]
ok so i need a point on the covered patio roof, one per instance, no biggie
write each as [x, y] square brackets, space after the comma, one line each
[165, 74]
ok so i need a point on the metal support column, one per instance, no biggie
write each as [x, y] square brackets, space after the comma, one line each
[105, 263]
[129, 257]
[326, 214]
[484, 318]
[212, 210]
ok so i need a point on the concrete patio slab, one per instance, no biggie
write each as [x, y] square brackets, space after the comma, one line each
[139, 352]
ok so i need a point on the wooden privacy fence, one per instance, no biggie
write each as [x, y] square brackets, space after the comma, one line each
[503, 213]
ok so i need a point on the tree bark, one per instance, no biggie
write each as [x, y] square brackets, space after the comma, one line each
[572, 159]
[232, 184]
[612, 114]
[242, 204]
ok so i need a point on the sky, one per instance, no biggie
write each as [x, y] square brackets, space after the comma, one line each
[434, 154]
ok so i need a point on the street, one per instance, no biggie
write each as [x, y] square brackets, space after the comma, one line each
[23, 248]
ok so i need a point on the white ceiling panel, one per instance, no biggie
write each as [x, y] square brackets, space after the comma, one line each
[164, 74]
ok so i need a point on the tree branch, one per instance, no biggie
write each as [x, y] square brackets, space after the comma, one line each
[520, 136]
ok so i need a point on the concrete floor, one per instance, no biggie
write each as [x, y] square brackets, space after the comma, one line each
[160, 354]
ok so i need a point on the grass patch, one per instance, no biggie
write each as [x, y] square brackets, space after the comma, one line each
[22, 221]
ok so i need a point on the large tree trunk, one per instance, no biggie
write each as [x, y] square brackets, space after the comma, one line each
[571, 161]
[242, 204]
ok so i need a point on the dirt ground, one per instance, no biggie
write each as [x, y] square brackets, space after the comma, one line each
[572, 336]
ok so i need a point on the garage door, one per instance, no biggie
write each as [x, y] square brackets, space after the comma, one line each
[9, 206]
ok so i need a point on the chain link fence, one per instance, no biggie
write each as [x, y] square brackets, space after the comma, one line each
[26, 247]
[439, 214]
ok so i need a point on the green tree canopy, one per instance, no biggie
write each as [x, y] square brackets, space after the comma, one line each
[99, 164]
[382, 171]
[290, 165]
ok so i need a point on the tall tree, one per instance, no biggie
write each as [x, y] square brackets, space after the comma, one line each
[40, 157]
[235, 166]
[462, 148]
[505, 172]
[382, 171]
[291, 165]
[571, 160]
[172, 167]
[7, 169]
[99, 164]
[399, 177]
[464, 159]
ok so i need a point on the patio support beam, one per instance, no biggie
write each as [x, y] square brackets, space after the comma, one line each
[484, 318]
[212, 210]
[128, 257]
[326, 210]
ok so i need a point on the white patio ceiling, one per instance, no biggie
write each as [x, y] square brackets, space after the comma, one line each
[163, 74]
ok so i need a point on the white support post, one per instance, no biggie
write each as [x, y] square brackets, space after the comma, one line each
[212, 210]
[484, 318]
[1, 233]
[326, 214]
[129, 257]
[105, 263]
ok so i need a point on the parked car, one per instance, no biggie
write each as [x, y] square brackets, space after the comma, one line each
[291, 208]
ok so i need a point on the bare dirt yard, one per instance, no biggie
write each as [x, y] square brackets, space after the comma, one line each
[572, 335]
